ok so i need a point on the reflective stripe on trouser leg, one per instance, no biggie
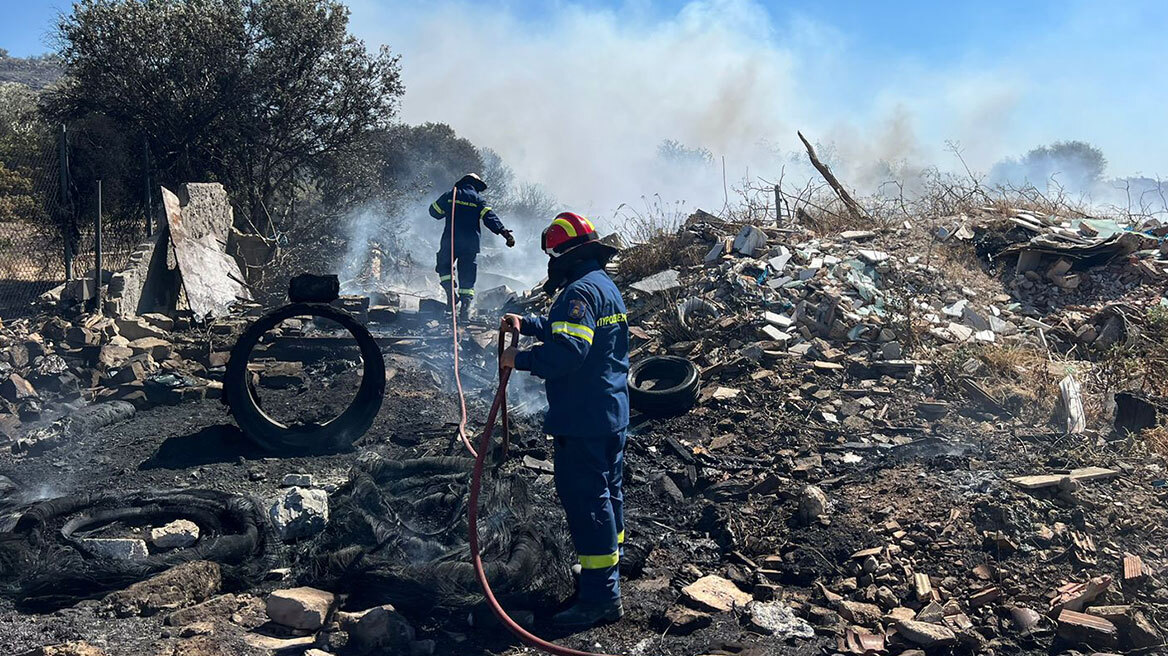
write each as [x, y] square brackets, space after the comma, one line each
[582, 471]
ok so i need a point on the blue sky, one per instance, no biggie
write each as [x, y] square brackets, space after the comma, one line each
[881, 80]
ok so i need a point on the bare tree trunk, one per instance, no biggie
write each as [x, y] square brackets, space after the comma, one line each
[843, 194]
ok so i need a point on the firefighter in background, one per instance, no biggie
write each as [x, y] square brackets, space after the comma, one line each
[470, 212]
[583, 357]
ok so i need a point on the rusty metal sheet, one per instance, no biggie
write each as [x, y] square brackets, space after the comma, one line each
[210, 277]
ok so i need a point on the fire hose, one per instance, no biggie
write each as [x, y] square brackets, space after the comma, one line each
[498, 410]
[500, 406]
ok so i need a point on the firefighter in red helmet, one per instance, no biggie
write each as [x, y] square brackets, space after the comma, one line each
[583, 358]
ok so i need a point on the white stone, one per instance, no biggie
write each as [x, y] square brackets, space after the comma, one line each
[298, 480]
[776, 618]
[179, 534]
[300, 513]
[300, 608]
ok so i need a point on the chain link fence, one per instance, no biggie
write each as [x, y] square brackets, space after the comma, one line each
[53, 187]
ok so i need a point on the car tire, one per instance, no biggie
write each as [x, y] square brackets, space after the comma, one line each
[679, 392]
[335, 434]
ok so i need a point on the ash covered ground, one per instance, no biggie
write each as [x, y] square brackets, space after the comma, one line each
[939, 438]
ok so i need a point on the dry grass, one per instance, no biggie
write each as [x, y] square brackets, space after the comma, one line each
[1156, 440]
[1023, 381]
[656, 239]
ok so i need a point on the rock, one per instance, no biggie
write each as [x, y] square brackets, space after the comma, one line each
[282, 375]
[300, 608]
[177, 587]
[112, 356]
[179, 534]
[1025, 619]
[812, 504]
[380, 628]
[159, 321]
[776, 618]
[926, 634]
[300, 513]
[860, 613]
[298, 480]
[316, 652]
[245, 610]
[66, 649]
[682, 621]
[857, 235]
[15, 388]
[270, 643]
[665, 488]
[117, 548]
[133, 329]
[79, 336]
[715, 593]
[157, 348]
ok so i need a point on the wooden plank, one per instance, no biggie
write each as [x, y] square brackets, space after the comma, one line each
[1133, 569]
[1072, 397]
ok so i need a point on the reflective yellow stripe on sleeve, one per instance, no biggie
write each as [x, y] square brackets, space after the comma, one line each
[437, 208]
[620, 537]
[484, 212]
[574, 329]
[600, 562]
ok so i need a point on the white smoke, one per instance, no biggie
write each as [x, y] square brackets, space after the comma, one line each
[579, 98]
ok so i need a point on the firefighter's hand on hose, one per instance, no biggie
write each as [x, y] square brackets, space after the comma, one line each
[510, 238]
[507, 360]
[511, 322]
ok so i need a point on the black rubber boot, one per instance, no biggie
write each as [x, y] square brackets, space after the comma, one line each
[583, 614]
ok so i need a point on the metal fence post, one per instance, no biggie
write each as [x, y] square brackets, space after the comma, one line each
[67, 223]
[97, 250]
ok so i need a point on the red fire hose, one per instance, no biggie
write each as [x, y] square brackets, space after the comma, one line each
[500, 405]
[454, 330]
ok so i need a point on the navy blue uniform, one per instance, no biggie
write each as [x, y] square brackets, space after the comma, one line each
[583, 358]
[470, 213]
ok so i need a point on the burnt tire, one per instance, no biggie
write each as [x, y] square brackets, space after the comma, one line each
[677, 388]
[336, 434]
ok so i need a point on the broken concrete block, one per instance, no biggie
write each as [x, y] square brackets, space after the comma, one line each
[873, 257]
[282, 375]
[300, 608]
[658, 282]
[117, 548]
[749, 240]
[179, 534]
[300, 513]
[298, 480]
[716, 594]
[925, 634]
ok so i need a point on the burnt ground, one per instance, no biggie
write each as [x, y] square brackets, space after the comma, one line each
[914, 455]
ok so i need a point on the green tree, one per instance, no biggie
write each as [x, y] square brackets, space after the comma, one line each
[258, 94]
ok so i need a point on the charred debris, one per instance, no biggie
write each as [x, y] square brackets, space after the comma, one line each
[909, 439]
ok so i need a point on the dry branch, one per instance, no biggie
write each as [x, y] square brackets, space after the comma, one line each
[843, 194]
